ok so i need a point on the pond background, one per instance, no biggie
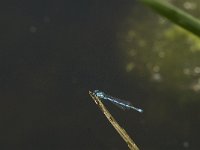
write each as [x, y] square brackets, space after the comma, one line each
[53, 53]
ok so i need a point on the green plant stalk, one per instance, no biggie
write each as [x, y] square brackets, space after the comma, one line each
[175, 14]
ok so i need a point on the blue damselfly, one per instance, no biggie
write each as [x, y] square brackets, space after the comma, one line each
[118, 102]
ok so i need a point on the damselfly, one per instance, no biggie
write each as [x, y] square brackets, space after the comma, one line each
[118, 102]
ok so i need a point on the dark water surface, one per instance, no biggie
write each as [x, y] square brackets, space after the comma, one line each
[53, 52]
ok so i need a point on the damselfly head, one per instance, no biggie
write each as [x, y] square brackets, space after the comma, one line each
[99, 93]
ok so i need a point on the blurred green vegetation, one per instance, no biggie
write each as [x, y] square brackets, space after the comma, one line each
[162, 53]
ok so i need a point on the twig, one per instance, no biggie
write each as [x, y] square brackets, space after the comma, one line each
[120, 130]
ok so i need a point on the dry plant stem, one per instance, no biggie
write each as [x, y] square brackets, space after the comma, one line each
[120, 130]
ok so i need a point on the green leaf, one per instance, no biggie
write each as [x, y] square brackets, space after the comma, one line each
[175, 14]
